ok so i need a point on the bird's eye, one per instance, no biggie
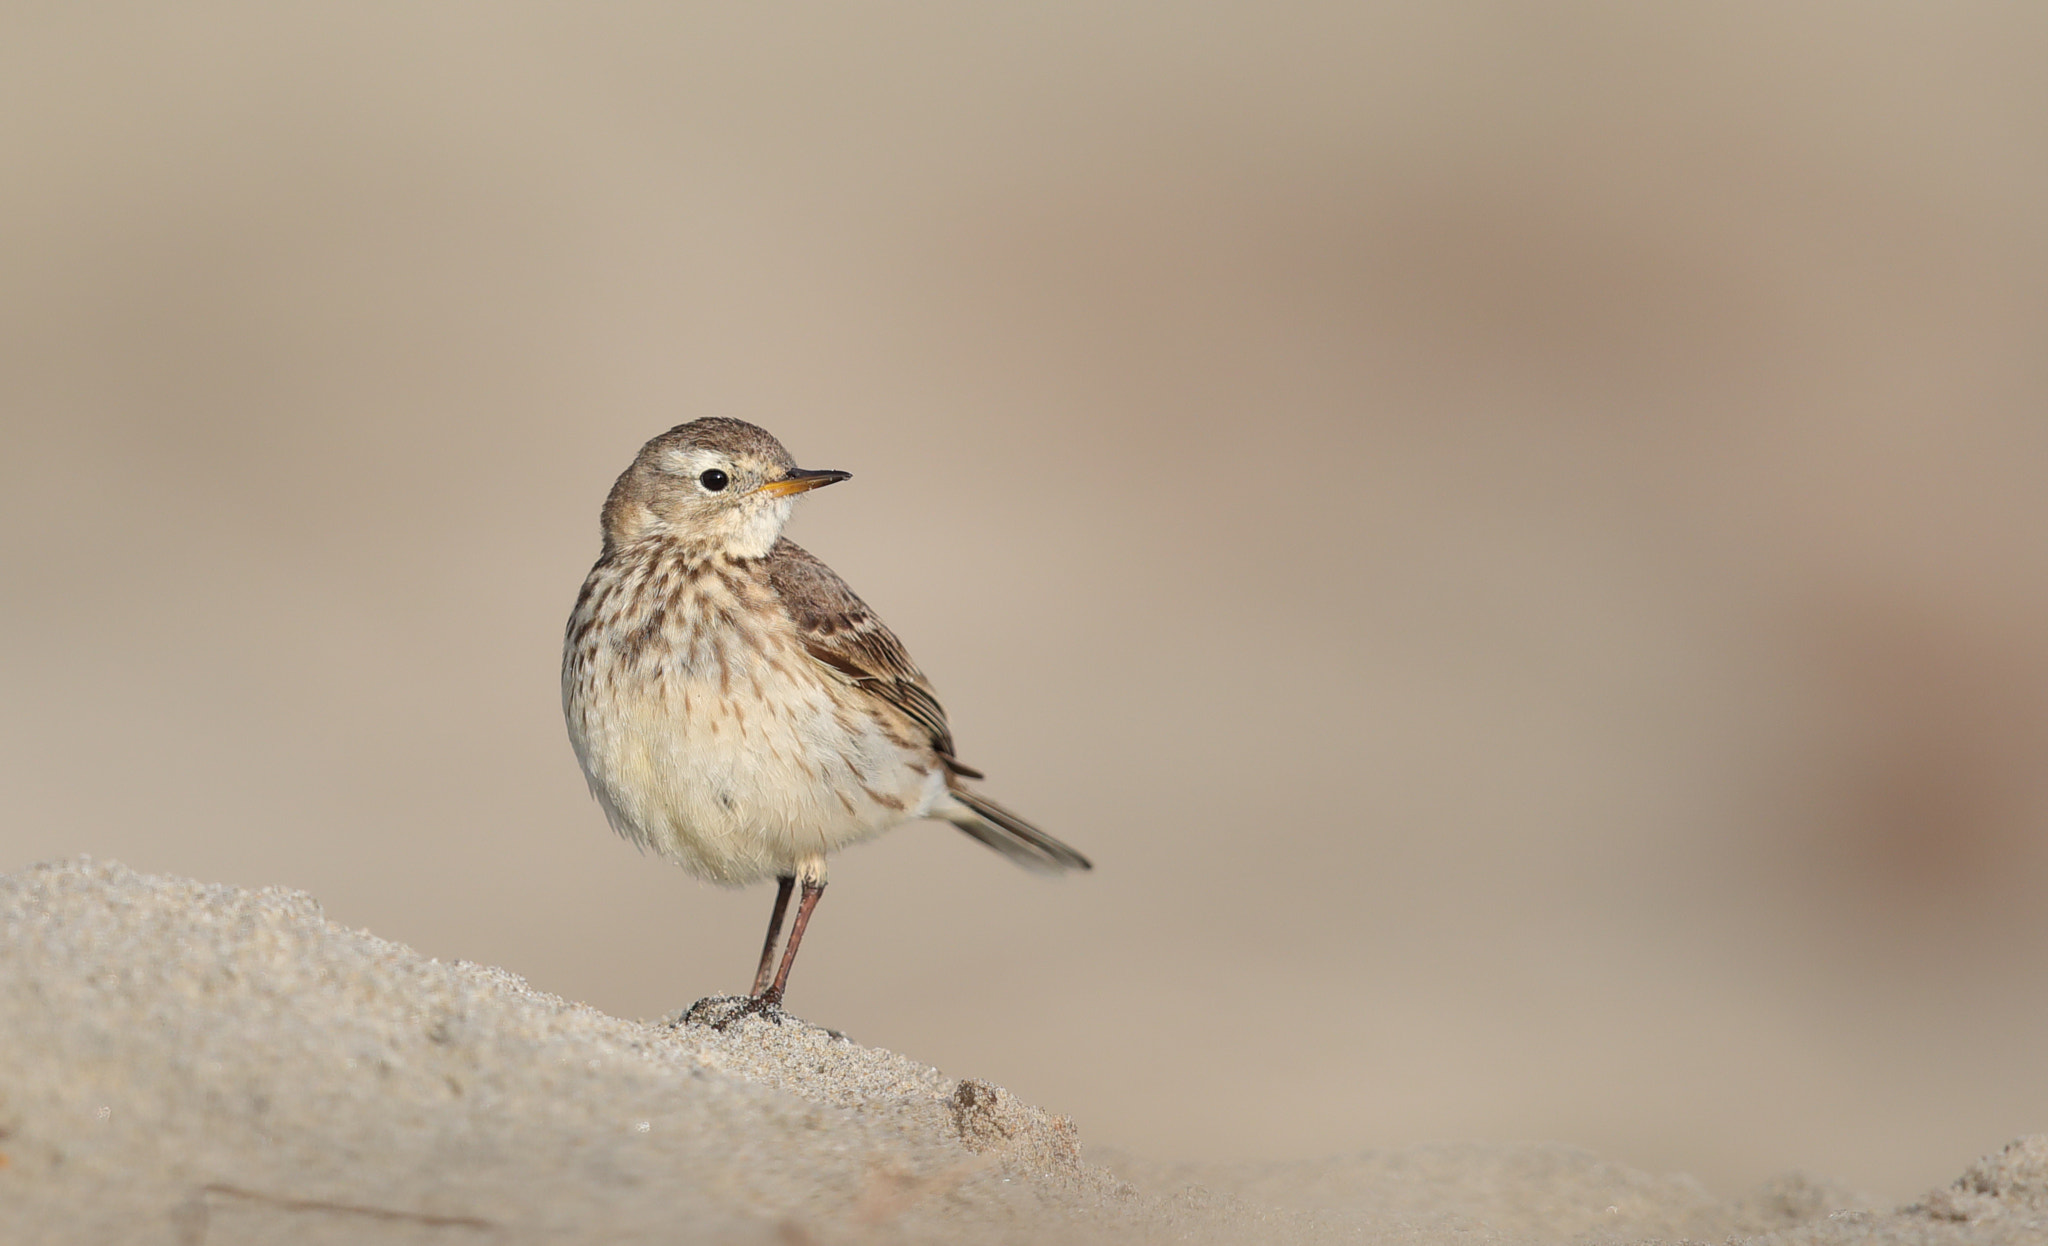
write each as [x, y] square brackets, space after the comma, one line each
[713, 480]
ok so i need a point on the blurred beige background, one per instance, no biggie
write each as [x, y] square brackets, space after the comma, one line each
[1514, 534]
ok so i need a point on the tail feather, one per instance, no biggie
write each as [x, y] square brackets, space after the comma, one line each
[1010, 835]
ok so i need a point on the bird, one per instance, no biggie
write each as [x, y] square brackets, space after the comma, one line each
[735, 707]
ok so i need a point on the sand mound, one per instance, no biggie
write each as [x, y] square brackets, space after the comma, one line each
[183, 1063]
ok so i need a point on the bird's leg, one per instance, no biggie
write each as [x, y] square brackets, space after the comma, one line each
[812, 890]
[763, 1003]
[782, 889]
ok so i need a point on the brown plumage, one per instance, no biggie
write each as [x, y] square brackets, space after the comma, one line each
[734, 705]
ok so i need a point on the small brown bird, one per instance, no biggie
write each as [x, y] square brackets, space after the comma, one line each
[734, 706]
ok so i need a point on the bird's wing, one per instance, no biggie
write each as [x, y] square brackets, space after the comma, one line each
[841, 632]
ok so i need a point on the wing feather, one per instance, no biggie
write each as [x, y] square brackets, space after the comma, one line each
[841, 632]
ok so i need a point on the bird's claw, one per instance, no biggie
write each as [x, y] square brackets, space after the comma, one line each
[720, 1012]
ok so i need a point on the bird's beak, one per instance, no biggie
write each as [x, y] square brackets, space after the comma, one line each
[801, 480]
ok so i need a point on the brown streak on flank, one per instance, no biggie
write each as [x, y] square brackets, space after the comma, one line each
[844, 799]
[895, 736]
[845, 719]
[887, 802]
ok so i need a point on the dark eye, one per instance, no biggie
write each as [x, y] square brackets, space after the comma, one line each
[713, 480]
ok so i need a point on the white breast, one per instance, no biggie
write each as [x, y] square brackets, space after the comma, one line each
[738, 761]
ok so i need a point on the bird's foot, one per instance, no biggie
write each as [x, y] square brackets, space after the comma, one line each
[721, 1012]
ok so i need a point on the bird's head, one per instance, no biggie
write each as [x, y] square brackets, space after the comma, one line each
[719, 484]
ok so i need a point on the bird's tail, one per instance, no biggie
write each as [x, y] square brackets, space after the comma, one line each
[1009, 834]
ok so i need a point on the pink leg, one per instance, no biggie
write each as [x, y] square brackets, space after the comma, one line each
[796, 935]
[783, 885]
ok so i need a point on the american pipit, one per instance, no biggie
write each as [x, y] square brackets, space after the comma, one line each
[735, 707]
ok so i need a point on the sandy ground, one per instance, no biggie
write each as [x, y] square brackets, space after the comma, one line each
[185, 1063]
